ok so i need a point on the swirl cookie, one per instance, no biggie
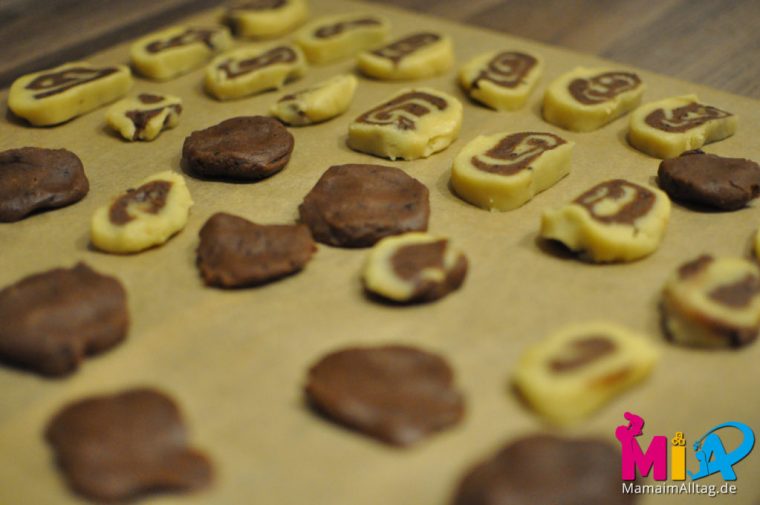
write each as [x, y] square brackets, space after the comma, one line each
[332, 38]
[577, 370]
[616, 220]
[319, 103]
[712, 302]
[169, 53]
[502, 80]
[144, 116]
[143, 217]
[415, 56]
[666, 128]
[506, 170]
[414, 267]
[259, 19]
[412, 124]
[53, 96]
[589, 98]
[250, 70]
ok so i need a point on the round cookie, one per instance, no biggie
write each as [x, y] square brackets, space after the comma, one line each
[145, 116]
[321, 102]
[259, 19]
[246, 147]
[357, 205]
[415, 56]
[331, 38]
[502, 80]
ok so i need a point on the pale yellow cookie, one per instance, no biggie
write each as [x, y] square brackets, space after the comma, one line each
[53, 96]
[756, 247]
[506, 170]
[581, 367]
[259, 19]
[332, 38]
[586, 99]
[177, 50]
[666, 128]
[250, 70]
[713, 302]
[415, 56]
[143, 217]
[412, 124]
[321, 102]
[615, 220]
[144, 117]
[502, 80]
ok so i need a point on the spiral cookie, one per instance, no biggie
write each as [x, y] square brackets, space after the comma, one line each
[144, 116]
[321, 102]
[332, 38]
[502, 80]
[415, 56]
[258, 19]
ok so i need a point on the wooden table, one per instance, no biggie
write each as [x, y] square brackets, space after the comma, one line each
[705, 41]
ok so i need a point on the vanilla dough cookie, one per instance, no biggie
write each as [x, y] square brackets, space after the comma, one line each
[666, 128]
[712, 302]
[502, 80]
[505, 170]
[250, 70]
[144, 117]
[332, 38]
[53, 96]
[319, 103]
[174, 51]
[261, 19]
[415, 56]
[143, 217]
[412, 124]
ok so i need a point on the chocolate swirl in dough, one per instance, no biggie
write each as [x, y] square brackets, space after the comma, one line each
[629, 201]
[515, 152]
[189, 36]
[327, 31]
[684, 118]
[404, 110]
[152, 196]
[400, 49]
[280, 54]
[581, 352]
[603, 87]
[507, 69]
[738, 294]
[57, 82]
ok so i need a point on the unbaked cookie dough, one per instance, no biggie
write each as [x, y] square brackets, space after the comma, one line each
[412, 124]
[712, 302]
[502, 80]
[575, 371]
[414, 267]
[586, 99]
[250, 70]
[666, 128]
[174, 51]
[616, 220]
[144, 116]
[53, 96]
[415, 56]
[143, 217]
[332, 38]
[505, 170]
[321, 102]
[259, 19]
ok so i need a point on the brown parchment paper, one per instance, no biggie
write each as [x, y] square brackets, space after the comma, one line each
[235, 361]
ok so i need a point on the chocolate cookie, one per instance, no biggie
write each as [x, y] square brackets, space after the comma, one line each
[708, 179]
[357, 205]
[235, 252]
[33, 178]
[249, 147]
[116, 447]
[50, 321]
[546, 470]
[397, 394]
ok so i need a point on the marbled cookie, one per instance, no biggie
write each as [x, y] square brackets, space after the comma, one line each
[174, 51]
[331, 38]
[144, 116]
[412, 124]
[321, 102]
[712, 302]
[666, 128]
[575, 371]
[616, 220]
[415, 56]
[259, 19]
[502, 80]
[250, 70]
[53, 96]
[506, 170]
[142, 217]
[588, 98]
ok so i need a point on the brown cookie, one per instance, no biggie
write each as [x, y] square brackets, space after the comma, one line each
[33, 178]
[50, 321]
[708, 179]
[116, 447]
[397, 394]
[234, 252]
[357, 205]
[249, 147]
[546, 470]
